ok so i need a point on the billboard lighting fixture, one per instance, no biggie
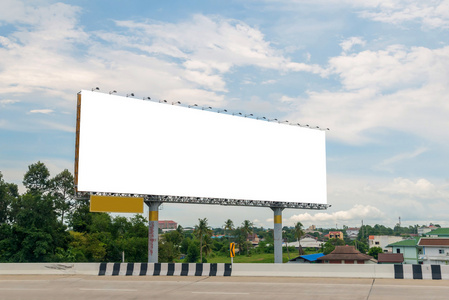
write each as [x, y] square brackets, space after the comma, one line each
[237, 114]
[207, 107]
[250, 115]
[132, 95]
[193, 105]
[177, 102]
[162, 101]
[263, 118]
[95, 89]
[225, 110]
[112, 92]
[146, 98]
[272, 120]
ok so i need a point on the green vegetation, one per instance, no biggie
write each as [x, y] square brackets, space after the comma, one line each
[47, 224]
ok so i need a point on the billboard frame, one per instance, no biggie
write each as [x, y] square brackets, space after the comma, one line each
[187, 199]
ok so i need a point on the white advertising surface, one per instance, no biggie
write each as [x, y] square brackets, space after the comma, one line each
[133, 146]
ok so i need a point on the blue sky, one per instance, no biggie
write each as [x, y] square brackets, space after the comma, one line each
[375, 72]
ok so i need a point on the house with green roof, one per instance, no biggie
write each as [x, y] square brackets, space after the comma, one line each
[440, 232]
[409, 248]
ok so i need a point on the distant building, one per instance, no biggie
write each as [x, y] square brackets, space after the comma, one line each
[425, 229]
[306, 242]
[335, 235]
[439, 232]
[168, 225]
[306, 259]
[383, 241]
[408, 248]
[352, 232]
[435, 251]
[253, 238]
[346, 255]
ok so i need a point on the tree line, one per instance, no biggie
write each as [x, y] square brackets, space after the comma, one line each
[47, 223]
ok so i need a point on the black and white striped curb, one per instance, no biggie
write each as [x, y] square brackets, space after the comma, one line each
[435, 272]
[164, 269]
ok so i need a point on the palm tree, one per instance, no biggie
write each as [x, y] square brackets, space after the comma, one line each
[247, 229]
[229, 225]
[298, 234]
[200, 231]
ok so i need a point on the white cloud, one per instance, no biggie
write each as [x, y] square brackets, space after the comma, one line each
[399, 88]
[41, 111]
[347, 44]
[430, 13]
[419, 189]
[357, 212]
[4, 102]
[388, 163]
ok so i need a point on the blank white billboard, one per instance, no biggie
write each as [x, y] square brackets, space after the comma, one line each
[133, 146]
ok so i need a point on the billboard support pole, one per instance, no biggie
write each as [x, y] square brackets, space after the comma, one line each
[153, 231]
[277, 234]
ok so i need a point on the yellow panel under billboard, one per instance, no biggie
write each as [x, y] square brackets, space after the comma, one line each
[116, 204]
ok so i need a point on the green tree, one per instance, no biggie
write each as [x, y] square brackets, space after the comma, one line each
[36, 179]
[8, 193]
[228, 225]
[200, 231]
[80, 218]
[329, 246]
[374, 251]
[207, 245]
[299, 232]
[62, 189]
[247, 229]
[193, 251]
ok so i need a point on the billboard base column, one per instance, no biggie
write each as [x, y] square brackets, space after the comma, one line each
[277, 234]
[153, 231]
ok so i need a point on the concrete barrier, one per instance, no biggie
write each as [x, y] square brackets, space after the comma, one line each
[435, 272]
[314, 270]
[49, 268]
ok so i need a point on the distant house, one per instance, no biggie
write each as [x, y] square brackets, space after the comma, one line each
[346, 255]
[425, 229]
[306, 242]
[253, 238]
[306, 259]
[408, 248]
[440, 232]
[435, 251]
[335, 235]
[383, 241]
[390, 258]
[167, 225]
[352, 232]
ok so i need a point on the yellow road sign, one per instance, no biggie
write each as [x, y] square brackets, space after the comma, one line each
[232, 249]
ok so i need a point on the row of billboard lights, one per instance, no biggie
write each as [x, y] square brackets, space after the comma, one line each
[223, 110]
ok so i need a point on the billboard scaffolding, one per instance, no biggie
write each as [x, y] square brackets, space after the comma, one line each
[128, 147]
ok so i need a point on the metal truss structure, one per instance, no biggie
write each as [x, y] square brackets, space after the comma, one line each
[214, 201]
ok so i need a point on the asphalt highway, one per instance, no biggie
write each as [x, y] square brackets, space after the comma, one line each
[107, 287]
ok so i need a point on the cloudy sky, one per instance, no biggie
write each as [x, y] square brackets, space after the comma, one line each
[376, 72]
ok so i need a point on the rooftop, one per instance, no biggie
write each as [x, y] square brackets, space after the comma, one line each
[390, 258]
[433, 242]
[345, 253]
[442, 231]
[405, 243]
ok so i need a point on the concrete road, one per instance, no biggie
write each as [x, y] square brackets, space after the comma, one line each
[95, 287]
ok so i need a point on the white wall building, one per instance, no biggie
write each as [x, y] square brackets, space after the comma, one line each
[435, 251]
[383, 241]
